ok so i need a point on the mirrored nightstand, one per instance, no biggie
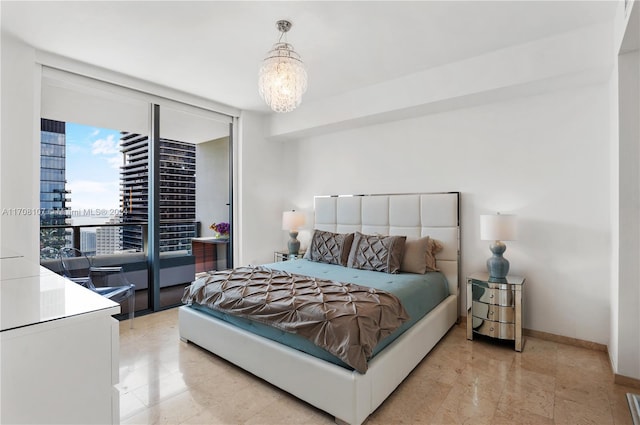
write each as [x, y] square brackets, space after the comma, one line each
[494, 309]
[284, 256]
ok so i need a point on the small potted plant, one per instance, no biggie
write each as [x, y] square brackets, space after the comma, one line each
[221, 230]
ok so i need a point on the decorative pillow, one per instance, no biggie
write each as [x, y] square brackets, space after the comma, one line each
[433, 248]
[414, 259]
[377, 253]
[329, 247]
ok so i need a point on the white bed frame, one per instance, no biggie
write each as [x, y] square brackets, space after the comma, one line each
[348, 395]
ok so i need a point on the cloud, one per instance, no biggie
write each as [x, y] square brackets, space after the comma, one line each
[91, 194]
[108, 146]
[115, 161]
[95, 132]
[91, 186]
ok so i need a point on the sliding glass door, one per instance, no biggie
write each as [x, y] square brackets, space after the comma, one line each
[137, 181]
[193, 197]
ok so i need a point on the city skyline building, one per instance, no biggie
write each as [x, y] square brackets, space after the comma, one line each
[88, 241]
[109, 238]
[177, 192]
[177, 195]
[54, 197]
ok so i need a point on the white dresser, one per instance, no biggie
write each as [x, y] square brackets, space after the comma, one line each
[58, 349]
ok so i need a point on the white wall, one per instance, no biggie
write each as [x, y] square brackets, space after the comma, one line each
[212, 183]
[624, 343]
[544, 158]
[20, 136]
[614, 183]
[626, 354]
[262, 182]
[629, 213]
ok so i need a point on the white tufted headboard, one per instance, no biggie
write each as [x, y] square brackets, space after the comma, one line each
[424, 214]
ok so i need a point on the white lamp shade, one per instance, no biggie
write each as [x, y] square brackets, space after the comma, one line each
[292, 220]
[498, 227]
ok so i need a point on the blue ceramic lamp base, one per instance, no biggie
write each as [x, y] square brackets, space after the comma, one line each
[294, 243]
[497, 265]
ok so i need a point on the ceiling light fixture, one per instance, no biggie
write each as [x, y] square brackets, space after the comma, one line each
[283, 77]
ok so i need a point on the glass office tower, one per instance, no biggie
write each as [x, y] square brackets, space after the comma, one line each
[177, 192]
[54, 198]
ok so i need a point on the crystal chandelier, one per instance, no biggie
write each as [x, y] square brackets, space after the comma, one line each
[283, 77]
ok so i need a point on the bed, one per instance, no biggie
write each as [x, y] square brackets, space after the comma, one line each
[350, 396]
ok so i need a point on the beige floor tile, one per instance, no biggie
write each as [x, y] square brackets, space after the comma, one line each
[174, 410]
[524, 399]
[433, 394]
[588, 361]
[132, 378]
[130, 405]
[288, 410]
[210, 415]
[414, 399]
[569, 412]
[162, 389]
[454, 374]
[525, 377]
[539, 362]
[536, 346]
[483, 349]
[510, 417]
[619, 404]
[582, 388]
[463, 406]
[166, 381]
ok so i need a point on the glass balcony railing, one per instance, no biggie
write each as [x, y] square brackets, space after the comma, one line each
[115, 238]
[126, 245]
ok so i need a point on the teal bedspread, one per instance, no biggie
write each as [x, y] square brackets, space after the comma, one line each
[419, 294]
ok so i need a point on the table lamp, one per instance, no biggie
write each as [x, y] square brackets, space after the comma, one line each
[497, 228]
[292, 221]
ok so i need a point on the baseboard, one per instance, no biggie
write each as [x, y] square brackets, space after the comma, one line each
[626, 381]
[566, 340]
[618, 379]
[554, 338]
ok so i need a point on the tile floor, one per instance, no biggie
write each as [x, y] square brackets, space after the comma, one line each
[166, 381]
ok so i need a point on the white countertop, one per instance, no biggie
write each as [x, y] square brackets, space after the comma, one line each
[32, 294]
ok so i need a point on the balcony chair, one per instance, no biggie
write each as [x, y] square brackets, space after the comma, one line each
[77, 267]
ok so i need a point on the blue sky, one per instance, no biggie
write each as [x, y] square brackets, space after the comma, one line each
[93, 159]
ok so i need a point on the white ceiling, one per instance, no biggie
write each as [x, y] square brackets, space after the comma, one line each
[213, 49]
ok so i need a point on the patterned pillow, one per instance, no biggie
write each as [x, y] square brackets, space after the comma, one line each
[377, 253]
[329, 247]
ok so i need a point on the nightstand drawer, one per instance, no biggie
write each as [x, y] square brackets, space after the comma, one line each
[493, 296]
[493, 312]
[494, 309]
[494, 329]
[284, 256]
